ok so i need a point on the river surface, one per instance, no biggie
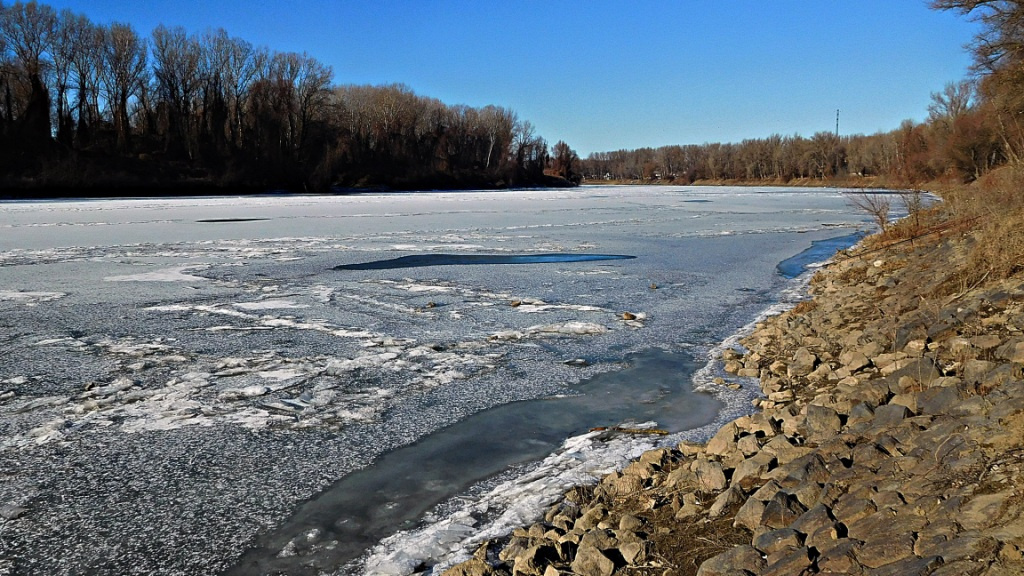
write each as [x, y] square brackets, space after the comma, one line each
[364, 384]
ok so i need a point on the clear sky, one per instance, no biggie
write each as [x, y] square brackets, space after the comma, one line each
[604, 75]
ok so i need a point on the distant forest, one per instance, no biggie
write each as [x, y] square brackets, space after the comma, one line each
[970, 129]
[91, 108]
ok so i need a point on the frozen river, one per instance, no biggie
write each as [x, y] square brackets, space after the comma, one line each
[241, 386]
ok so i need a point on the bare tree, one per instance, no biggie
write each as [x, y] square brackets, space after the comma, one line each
[86, 68]
[998, 51]
[312, 84]
[564, 162]
[177, 59]
[954, 101]
[1001, 37]
[124, 73]
[874, 205]
[28, 29]
[498, 123]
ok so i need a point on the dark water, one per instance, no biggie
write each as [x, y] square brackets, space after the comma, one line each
[228, 220]
[420, 260]
[397, 489]
[819, 251]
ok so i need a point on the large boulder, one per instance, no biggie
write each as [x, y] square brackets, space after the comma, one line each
[749, 472]
[710, 476]
[803, 363]
[592, 562]
[820, 422]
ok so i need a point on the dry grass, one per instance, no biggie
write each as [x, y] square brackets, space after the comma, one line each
[681, 551]
[984, 220]
[995, 206]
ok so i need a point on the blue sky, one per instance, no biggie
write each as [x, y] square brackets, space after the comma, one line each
[604, 75]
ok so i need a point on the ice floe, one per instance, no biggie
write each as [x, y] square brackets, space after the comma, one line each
[30, 298]
[176, 274]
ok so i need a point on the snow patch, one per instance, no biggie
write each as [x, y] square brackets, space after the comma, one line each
[275, 304]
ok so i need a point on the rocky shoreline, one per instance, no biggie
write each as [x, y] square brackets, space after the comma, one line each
[889, 441]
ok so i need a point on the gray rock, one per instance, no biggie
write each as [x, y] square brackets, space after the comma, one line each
[750, 471]
[803, 363]
[590, 561]
[921, 369]
[913, 567]
[939, 400]
[783, 450]
[591, 517]
[633, 552]
[726, 501]
[974, 547]
[723, 442]
[732, 562]
[891, 414]
[630, 522]
[849, 509]
[860, 412]
[885, 522]
[853, 360]
[821, 422]
[600, 539]
[782, 510]
[789, 563]
[885, 548]
[810, 468]
[976, 370]
[1012, 351]
[776, 540]
[710, 477]
[749, 515]
[840, 559]
[748, 445]
[534, 559]
[816, 518]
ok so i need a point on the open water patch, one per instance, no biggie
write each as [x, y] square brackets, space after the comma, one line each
[228, 220]
[421, 260]
[820, 251]
[402, 486]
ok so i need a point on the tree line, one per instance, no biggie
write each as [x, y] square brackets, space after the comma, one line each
[88, 105]
[962, 138]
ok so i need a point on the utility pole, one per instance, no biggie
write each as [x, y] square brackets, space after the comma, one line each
[837, 122]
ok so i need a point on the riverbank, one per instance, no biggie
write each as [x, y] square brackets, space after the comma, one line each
[890, 439]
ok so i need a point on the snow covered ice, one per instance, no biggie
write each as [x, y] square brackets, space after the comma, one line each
[180, 375]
